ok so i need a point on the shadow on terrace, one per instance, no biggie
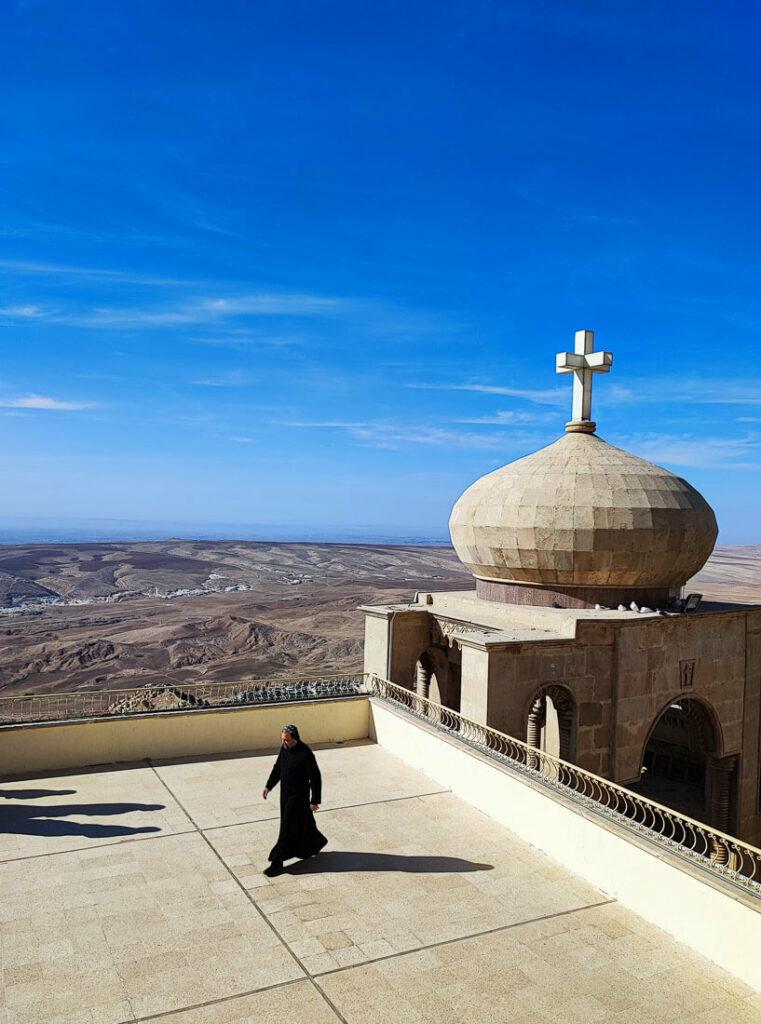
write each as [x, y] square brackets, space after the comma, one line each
[45, 819]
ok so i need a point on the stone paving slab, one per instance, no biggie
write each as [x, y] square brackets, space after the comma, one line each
[129, 930]
[71, 812]
[398, 876]
[229, 790]
[599, 964]
[386, 920]
[297, 1002]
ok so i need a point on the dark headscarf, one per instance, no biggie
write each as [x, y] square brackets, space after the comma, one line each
[292, 730]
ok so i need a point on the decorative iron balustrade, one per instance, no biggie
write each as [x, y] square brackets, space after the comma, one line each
[694, 840]
[168, 696]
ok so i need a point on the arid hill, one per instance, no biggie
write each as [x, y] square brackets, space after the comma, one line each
[106, 616]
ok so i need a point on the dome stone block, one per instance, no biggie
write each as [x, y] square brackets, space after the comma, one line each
[583, 513]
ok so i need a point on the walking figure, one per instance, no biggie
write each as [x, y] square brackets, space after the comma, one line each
[300, 795]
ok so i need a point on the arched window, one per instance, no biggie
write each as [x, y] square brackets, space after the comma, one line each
[438, 676]
[551, 723]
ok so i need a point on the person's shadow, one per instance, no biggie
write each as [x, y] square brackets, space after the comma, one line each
[33, 794]
[43, 819]
[343, 860]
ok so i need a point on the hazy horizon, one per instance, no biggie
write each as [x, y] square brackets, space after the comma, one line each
[72, 531]
[42, 530]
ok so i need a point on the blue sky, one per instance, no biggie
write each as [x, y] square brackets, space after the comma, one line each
[307, 265]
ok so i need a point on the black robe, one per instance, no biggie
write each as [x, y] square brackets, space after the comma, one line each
[300, 785]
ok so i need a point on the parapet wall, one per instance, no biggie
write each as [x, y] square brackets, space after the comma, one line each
[29, 749]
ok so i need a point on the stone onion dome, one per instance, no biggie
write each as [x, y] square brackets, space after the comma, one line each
[582, 522]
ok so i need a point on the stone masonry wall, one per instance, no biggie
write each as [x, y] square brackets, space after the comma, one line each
[749, 781]
[519, 672]
[662, 660]
[622, 675]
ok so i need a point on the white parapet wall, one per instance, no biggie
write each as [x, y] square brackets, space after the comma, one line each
[712, 919]
[26, 749]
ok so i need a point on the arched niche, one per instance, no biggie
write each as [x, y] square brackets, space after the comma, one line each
[551, 721]
[438, 676]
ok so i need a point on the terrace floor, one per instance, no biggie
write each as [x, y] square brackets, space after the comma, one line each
[136, 894]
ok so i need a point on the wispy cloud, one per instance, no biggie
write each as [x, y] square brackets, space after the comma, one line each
[575, 212]
[681, 390]
[243, 440]
[188, 419]
[37, 269]
[699, 452]
[189, 312]
[548, 396]
[244, 339]
[44, 402]
[27, 312]
[229, 379]
[720, 393]
[507, 417]
[394, 436]
[210, 310]
[713, 391]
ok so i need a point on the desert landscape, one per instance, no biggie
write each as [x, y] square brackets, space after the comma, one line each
[105, 616]
[109, 616]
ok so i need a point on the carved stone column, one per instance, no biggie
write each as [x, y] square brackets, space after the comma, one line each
[719, 792]
[423, 681]
[565, 729]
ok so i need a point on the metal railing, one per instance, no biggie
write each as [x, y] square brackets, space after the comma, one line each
[699, 843]
[167, 696]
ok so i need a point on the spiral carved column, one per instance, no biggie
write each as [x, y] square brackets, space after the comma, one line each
[720, 807]
[423, 682]
[565, 729]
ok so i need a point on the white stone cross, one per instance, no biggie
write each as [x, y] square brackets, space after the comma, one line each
[583, 362]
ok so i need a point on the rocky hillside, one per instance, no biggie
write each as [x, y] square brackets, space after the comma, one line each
[105, 616]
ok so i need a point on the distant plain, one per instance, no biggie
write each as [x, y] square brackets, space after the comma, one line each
[117, 615]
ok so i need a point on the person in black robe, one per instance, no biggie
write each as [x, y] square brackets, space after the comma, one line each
[300, 795]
